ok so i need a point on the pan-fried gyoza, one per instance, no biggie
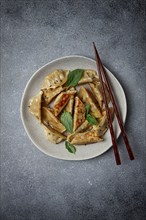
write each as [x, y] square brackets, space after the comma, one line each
[69, 111]
[79, 113]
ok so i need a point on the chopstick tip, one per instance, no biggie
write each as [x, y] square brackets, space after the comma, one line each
[93, 44]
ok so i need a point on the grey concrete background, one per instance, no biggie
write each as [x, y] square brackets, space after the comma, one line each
[33, 185]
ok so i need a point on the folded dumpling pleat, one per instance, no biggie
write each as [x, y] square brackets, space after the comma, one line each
[70, 104]
[88, 76]
[84, 126]
[49, 94]
[84, 137]
[53, 135]
[102, 125]
[49, 118]
[62, 100]
[35, 105]
[79, 113]
[55, 79]
[87, 99]
[97, 91]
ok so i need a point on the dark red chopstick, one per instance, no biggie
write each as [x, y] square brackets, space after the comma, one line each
[117, 156]
[129, 150]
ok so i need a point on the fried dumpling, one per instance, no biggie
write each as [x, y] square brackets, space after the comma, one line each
[102, 125]
[53, 135]
[79, 113]
[84, 137]
[70, 104]
[87, 99]
[35, 105]
[88, 76]
[49, 94]
[97, 91]
[84, 126]
[49, 118]
[55, 79]
[62, 100]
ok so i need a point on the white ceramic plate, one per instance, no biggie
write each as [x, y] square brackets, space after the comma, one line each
[34, 129]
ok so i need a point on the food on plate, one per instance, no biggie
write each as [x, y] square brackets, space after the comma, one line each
[53, 135]
[79, 76]
[35, 105]
[70, 104]
[70, 111]
[49, 94]
[84, 126]
[97, 91]
[79, 113]
[49, 118]
[102, 125]
[88, 76]
[84, 137]
[62, 99]
[55, 79]
[85, 96]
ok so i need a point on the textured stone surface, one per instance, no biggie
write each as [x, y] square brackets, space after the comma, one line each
[33, 185]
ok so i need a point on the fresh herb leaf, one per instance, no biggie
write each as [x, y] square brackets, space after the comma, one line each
[87, 108]
[70, 147]
[67, 121]
[91, 119]
[74, 77]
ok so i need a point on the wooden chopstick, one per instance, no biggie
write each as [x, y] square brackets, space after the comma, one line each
[100, 65]
[117, 156]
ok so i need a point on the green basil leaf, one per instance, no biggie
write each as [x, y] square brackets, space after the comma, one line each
[91, 119]
[70, 147]
[67, 121]
[87, 108]
[74, 77]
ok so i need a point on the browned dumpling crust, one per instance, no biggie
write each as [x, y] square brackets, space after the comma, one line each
[70, 105]
[49, 118]
[86, 98]
[62, 100]
[79, 113]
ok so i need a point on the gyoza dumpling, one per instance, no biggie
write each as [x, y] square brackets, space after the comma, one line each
[97, 91]
[86, 98]
[102, 125]
[35, 105]
[49, 94]
[79, 113]
[62, 99]
[55, 79]
[84, 138]
[52, 135]
[83, 127]
[69, 106]
[49, 118]
[88, 76]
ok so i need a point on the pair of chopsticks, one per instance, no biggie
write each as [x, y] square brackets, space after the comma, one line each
[102, 74]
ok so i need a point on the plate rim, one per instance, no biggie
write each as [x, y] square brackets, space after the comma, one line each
[22, 103]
